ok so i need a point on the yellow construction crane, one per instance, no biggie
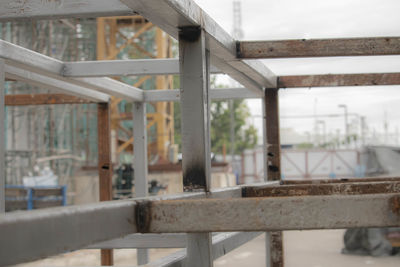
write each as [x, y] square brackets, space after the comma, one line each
[114, 35]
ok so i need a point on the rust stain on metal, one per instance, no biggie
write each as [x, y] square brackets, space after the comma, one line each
[339, 80]
[322, 189]
[342, 180]
[143, 216]
[320, 47]
[194, 178]
[276, 249]
[395, 204]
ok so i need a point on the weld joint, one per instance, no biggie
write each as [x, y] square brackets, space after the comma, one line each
[189, 33]
[143, 216]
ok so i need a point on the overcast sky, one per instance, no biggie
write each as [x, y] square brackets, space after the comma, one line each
[292, 19]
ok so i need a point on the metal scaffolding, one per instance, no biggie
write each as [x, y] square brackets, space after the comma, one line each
[270, 207]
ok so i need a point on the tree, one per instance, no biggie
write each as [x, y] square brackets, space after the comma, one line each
[245, 135]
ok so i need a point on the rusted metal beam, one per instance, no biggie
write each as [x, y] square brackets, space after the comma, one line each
[104, 166]
[274, 213]
[43, 99]
[274, 246]
[322, 189]
[272, 132]
[330, 80]
[342, 180]
[32, 235]
[35, 234]
[319, 47]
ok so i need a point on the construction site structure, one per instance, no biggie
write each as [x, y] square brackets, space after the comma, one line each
[134, 37]
[237, 213]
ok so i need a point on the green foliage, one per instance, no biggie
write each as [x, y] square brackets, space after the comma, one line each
[245, 135]
[305, 145]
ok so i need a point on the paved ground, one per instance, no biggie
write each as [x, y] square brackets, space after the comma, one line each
[305, 249]
[302, 249]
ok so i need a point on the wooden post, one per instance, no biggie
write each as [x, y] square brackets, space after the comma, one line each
[274, 246]
[104, 165]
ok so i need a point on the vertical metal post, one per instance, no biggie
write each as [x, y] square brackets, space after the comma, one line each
[274, 246]
[196, 163]
[104, 165]
[140, 162]
[264, 136]
[2, 136]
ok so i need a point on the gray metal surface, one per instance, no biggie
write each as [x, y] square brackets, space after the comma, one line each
[46, 82]
[40, 233]
[171, 15]
[2, 137]
[140, 149]
[111, 87]
[21, 59]
[144, 241]
[194, 61]
[135, 67]
[215, 94]
[140, 162]
[39, 9]
[36, 234]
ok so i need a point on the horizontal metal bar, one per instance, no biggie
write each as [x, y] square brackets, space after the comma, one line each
[36, 234]
[144, 241]
[112, 87]
[322, 189]
[167, 66]
[46, 82]
[215, 94]
[272, 214]
[231, 240]
[42, 99]
[80, 226]
[221, 245]
[320, 47]
[38, 9]
[18, 56]
[172, 15]
[25, 59]
[331, 80]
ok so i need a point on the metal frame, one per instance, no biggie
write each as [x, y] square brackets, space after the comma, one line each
[299, 205]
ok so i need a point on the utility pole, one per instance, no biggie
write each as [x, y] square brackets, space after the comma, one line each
[322, 122]
[346, 128]
[362, 119]
[237, 33]
[386, 128]
[237, 20]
